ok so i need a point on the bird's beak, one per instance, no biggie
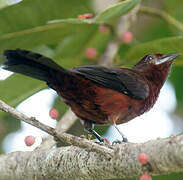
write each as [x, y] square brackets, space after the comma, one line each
[166, 58]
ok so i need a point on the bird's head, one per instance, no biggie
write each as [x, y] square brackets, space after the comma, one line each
[155, 66]
[155, 60]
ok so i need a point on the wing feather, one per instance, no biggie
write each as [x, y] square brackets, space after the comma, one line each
[120, 79]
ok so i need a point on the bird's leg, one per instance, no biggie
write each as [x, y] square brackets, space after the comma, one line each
[122, 135]
[113, 120]
[89, 127]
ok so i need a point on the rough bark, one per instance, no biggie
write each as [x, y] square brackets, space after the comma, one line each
[71, 162]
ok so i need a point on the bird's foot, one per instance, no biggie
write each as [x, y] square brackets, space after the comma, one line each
[125, 139]
[116, 142]
[120, 142]
[122, 135]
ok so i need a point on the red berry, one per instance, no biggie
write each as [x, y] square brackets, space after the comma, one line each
[143, 158]
[54, 113]
[91, 53]
[29, 140]
[103, 28]
[85, 16]
[145, 177]
[107, 140]
[127, 37]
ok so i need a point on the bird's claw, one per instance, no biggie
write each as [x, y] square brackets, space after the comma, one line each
[116, 142]
[125, 139]
[120, 142]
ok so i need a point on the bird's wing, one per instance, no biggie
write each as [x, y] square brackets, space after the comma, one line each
[120, 79]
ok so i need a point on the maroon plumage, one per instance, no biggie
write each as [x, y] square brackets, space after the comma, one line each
[96, 94]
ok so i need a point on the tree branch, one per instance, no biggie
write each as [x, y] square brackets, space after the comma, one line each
[88, 160]
[67, 120]
[68, 138]
[165, 156]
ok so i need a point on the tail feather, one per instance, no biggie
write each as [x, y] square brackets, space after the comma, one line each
[29, 63]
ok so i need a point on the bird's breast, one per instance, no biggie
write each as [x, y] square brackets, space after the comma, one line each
[118, 107]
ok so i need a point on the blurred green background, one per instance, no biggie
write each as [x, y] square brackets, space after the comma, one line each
[30, 24]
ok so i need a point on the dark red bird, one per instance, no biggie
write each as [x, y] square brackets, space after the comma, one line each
[97, 94]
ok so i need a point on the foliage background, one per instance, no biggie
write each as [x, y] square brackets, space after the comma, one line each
[30, 24]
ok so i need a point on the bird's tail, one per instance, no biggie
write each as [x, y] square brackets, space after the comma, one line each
[29, 63]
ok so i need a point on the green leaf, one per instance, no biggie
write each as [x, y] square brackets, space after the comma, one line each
[72, 45]
[30, 28]
[74, 21]
[3, 3]
[164, 46]
[116, 10]
[32, 13]
[16, 88]
[99, 42]
[71, 51]
[8, 124]
[46, 34]
[176, 79]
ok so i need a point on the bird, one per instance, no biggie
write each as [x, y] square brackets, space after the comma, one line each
[98, 95]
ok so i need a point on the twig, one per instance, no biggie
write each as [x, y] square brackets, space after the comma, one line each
[70, 139]
[67, 120]
[107, 58]
[164, 15]
[32, 121]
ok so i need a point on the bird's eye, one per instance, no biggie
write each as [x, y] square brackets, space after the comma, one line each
[149, 57]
